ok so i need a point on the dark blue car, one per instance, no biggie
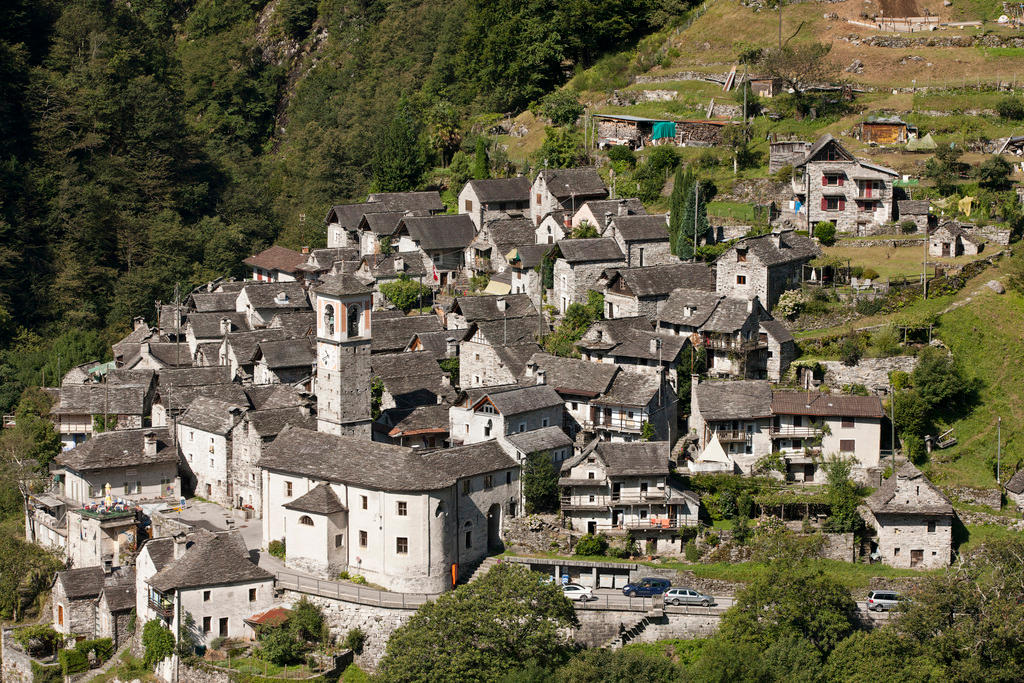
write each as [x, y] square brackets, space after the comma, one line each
[645, 588]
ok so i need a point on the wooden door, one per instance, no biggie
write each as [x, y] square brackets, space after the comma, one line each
[916, 557]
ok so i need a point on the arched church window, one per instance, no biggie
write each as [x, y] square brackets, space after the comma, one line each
[306, 520]
[329, 318]
[353, 320]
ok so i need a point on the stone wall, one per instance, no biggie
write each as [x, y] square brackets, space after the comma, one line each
[378, 623]
[871, 372]
[597, 627]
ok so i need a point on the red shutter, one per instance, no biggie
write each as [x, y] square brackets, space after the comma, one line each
[842, 203]
[840, 181]
[824, 204]
[824, 179]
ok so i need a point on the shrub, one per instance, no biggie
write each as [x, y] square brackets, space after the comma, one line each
[825, 232]
[405, 293]
[691, 552]
[741, 530]
[279, 646]
[907, 227]
[790, 303]
[1011, 108]
[590, 544]
[622, 154]
[849, 351]
[276, 549]
[72, 661]
[358, 578]
[46, 674]
[869, 274]
[354, 640]
[217, 643]
[297, 16]
[784, 174]
[869, 306]
[706, 160]
[39, 641]
[307, 622]
[102, 647]
[745, 505]
[158, 642]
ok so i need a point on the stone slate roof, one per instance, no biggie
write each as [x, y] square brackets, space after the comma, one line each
[208, 302]
[96, 399]
[295, 324]
[734, 400]
[909, 492]
[373, 465]
[122, 448]
[429, 419]
[794, 248]
[321, 500]
[245, 344]
[474, 308]
[515, 356]
[161, 551]
[120, 596]
[385, 266]
[169, 313]
[208, 325]
[529, 255]
[437, 342]
[826, 405]
[211, 415]
[349, 215]
[643, 228]
[568, 182]
[506, 234]
[631, 388]
[543, 439]
[729, 315]
[572, 375]
[287, 353]
[381, 223]
[473, 394]
[626, 459]
[264, 295]
[510, 332]
[616, 207]
[591, 249]
[277, 258]
[777, 330]
[605, 334]
[411, 376]
[213, 559]
[408, 201]
[701, 301]
[179, 398]
[912, 207]
[393, 333]
[524, 400]
[1016, 482]
[268, 396]
[818, 145]
[323, 259]
[501, 189]
[123, 376]
[444, 232]
[83, 583]
[170, 354]
[637, 344]
[651, 281]
[270, 422]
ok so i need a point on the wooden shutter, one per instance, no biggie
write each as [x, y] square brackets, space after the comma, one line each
[840, 181]
[842, 203]
[824, 204]
[824, 179]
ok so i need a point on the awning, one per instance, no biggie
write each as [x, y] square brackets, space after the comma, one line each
[497, 287]
[664, 129]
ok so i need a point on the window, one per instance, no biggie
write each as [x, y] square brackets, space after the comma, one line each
[488, 481]
[403, 508]
[329, 319]
[590, 475]
[895, 552]
[508, 477]
[847, 423]
[543, 422]
[363, 502]
[931, 526]
[191, 435]
[402, 545]
[339, 540]
[522, 426]
[206, 596]
[469, 205]
[469, 539]
[206, 624]
[538, 198]
[741, 255]
[306, 520]
[741, 279]
[288, 489]
[487, 428]
[223, 627]
[833, 203]
[362, 539]
[847, 445]
[832, 179]
[575, 405]
[465, 487]
[353, 320]
[252, 595]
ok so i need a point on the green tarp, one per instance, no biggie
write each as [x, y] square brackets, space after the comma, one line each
[664, 129]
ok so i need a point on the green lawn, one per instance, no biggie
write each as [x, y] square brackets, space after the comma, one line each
[978, 534]
[892, 262]
[353, 674]
[257, 667]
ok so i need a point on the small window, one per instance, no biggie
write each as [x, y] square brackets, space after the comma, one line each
[465, 487]
[832, 179]
[306, 520]
[362, 539]
[741, 255]
[469, 539]
[206, 596]
[847, 445]
[508, 477]
[741, 279]
[590, 475]
[931, 526]
[288, 489]
[847, 423]
[469, 205]
[522, 427]
[252, 595]
[402, 545]
[543, 422]
[206, 624]
[832, 203]
[488, 481]
[339, 540]
[363, 503]
[403, 508]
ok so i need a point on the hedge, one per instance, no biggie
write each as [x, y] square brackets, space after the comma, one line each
[104, 648]
[46, 673]
[73, 661]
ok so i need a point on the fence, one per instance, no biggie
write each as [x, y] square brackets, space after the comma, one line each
[351, 592]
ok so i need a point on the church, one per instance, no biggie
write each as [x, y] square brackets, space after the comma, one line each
[402, 519]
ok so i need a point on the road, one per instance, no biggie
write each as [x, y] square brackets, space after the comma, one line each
[612, 598]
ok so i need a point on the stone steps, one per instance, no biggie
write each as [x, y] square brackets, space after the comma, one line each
[631, 631]
[480, 569]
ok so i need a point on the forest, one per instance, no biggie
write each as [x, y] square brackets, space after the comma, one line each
[157, 143]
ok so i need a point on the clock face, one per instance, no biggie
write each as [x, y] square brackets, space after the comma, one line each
[327, 358]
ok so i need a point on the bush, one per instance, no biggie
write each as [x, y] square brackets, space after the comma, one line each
[849, 351]
[102, 647]
[358, 578]
[276, 549]
[869, 306]
[46, 674]
[405, 293]
[561, 107]
[217, 642]
[869, 274]
[354, 640]
[40, 640]
[279, 646]
[825, 232]
[1011, 108]
[784, 174]
[907, 227]
[620, 553]
[622, 154]
[158, 642]
[691, 552]
[706, 160]
[72, 661]
[589, 545]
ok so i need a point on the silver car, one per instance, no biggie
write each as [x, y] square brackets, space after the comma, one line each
[687, 596]
[883, 601]
[574, 591]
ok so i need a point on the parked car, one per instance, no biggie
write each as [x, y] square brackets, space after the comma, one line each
[576, 592]
[647, 587]
[687, 596]
[883, 601]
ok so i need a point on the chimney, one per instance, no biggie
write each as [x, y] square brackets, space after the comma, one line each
[149, 443]
[541, 376]
[777, 239]
[305, 250]
[530, 369]
[399, 264]
[138, 322]
[623, 211]
[694, 381]
[304, 410]
[655, 344]
[750, 305]
[450, 347]
[567, 221]
[502, 305]
[225, 325]
[180, 544]
[281, 298]
[607, 218]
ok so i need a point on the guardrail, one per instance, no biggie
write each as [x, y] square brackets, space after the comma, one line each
[351, 592]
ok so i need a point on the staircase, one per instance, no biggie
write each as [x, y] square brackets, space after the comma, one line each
[474, 573]
[631, 631]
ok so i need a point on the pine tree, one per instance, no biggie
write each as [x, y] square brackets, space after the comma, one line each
[682, 185]
[481, 164]
[399, 159]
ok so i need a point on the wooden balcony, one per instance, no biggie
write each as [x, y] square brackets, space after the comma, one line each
[658, 496]
[163, 606]
[729, 344]
[791, 432]
[733, 435]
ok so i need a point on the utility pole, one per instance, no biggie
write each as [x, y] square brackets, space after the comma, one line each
[892, 422]
[999, 448]
[696, 199]
[924, 266]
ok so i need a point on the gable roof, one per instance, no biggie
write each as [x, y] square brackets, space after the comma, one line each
[436, 343]
[245, 344]
[510, 332]
[626, 459]
[638, 344]
[501, 189]
[734, 399]
[590, 249]
[211, 415]
[269, 295]
[212, 559]
[271, 421]
[826, 405]
[277, 258]
[515, 356]
[731, 314]
[374, 465]
[294, 323]
[429, 200]
[528, 255]
[568, 182]
[428, 419]
[820, 144]
[169, 354]
[120, 448]
[661, 280]
[380, 266]
[342, 284]
[474, 308]
[208, 302]
[268, 396]
[179, 398]
[208, 325]
[523, 399]
[631, 388]
[86, 582]
[606, 334]
[902, 494]
[381, 223]
[320, 500]
[94, 398]
[440, 232]
[543, 439]
[287, 353]
[573, 375]
[792, 247]
[617, 207]
[412, 376]
[508, 233]
[349, 215]
[642, 228]
[913, 207]
[701, 304]
[393, 333]
[777, 331]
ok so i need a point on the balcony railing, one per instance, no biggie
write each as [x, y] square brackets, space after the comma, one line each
[733, 435]
[624, 424]
[165, 608]
[654, 523]
[726, 344]
[607, 500]
[789, 431]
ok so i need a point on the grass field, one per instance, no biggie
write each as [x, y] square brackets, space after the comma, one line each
[890, 262]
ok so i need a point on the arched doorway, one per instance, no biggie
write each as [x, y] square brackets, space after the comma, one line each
[494, 543]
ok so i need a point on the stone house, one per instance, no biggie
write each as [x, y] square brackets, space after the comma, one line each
[320, 262]
[123, 400]
[564, 189]
[424, 427]
[738, 414]
[406, 520]
[832, 185]
[102, 535]
[580, 266]
[783, 153]
[443, 241]
[393, 330]
[410, 379]
[629, 292]
[93, 602]
[949, 240]
[1015, 489]
[596, 213]
[250, 436]
[484, 199]
[46, 522]
[506, 411]
[157, 355]
[782, 349]
[207, 328]
[495, 351]
[238, 350]
[343, 223]
[643, 239]
[557, 225]
[204, 437]
[285, 361]
[261, 301]
[624, 488]
[376, 231]
[764, 266]
[634, 346]
[634, 397]
[114, 609]
[203, 575]
[276, 264]
[466, 310]
[382, 270]
[913, 520]
[178, 387]
[489, 250]
[916, 210]
[424, 203]
[524, 266]
[577, 381]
